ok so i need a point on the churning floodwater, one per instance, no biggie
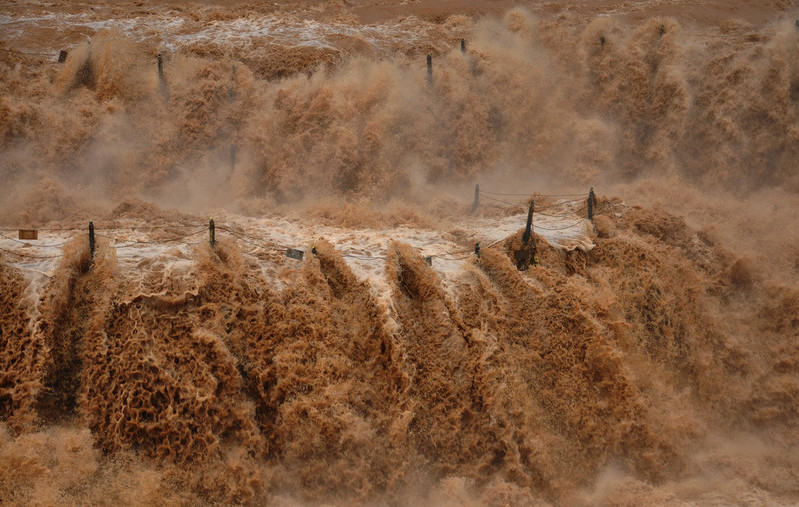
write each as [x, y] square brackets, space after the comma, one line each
[650, 355]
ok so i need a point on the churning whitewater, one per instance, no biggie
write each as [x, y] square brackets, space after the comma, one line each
[308, 279]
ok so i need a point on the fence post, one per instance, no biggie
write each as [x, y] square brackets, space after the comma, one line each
[91, 239]
[591, 205]
[526, 255]
[476, 198]
[528, 231]
[429, 68]
[211, 233]
[463, 45]
[160, 67]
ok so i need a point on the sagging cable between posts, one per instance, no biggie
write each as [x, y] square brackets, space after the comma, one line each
[591, 201]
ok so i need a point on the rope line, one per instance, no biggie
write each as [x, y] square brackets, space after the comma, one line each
[33, 244]
[170, 240]
[504, 202]
[560, 228]
[252, 240]
[14, 51]
[32, 256]
[365, 257]
[530, 194]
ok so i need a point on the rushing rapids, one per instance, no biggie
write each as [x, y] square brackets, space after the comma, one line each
[649, 357]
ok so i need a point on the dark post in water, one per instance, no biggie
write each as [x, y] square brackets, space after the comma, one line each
[477, 249]
[463, 45]
[476, 198]
[429, 68]
[91, 239]
[211, 233]
[160, 67]
[62, 56]
[528, 230]
[526, 254]
[591, 204]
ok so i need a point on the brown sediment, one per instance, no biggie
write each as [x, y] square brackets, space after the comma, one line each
[659, 364]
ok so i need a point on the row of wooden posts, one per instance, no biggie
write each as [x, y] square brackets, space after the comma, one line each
[525, 256]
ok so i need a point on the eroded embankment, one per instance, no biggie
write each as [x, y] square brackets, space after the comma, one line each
[528, 383]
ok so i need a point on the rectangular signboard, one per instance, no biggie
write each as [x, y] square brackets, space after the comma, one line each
[294, 254]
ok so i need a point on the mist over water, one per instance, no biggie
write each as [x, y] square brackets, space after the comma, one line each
[655, 360]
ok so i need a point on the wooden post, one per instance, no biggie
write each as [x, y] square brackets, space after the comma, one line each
[476, 198]
[91, 239]
[62, 56]
[525, 255]
[528, 231]
[463, 45]
[160, 67]
[211, 232]
[591, 204]
[429, 68]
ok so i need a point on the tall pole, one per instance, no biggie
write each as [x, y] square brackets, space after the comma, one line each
[91, 239]
[528, 230]
[211, 233]
[429, 68]
[591, 204]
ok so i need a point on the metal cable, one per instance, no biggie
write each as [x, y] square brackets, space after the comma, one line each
[529, 194]
[504, 202]
[560, 228]
[170, 240]
[33, 244]
[364, 257]
[32, 256]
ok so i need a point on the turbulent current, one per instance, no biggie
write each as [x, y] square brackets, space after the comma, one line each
[649, 355]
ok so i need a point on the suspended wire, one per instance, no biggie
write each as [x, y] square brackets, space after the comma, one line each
[365, 257]
[33, 244]
[560, 228]
[529, 194]
[151, 242]
[459, 257]
[253, 240]
[16, 52]
[504, 202]
[32, 256]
